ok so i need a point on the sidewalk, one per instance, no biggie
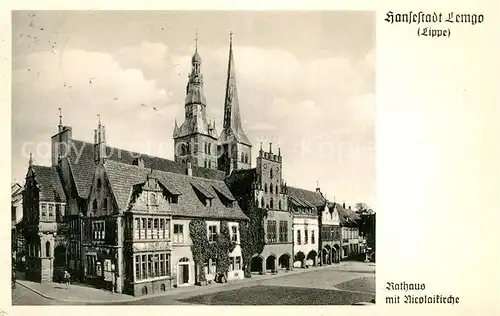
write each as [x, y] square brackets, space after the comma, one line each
[84, 294]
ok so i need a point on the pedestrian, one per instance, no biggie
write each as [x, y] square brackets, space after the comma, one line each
[67, 278]
[13, 279]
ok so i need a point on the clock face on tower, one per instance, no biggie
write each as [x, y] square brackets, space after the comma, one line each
[265, 166]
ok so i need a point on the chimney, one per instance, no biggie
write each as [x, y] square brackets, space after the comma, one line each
[318, 189]
[189, 169]
[349, 207]
[343, 205]
[270, 148]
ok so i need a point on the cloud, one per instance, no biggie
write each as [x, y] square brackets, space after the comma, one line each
[85, 84]
[320, 111]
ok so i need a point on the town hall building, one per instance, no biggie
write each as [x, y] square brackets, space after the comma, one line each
[122, 220]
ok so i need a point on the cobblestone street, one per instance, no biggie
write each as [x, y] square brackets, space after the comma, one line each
[347, 283]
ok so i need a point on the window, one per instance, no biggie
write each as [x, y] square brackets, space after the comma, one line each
[94, 205]
[271, 231]
[231, 263]
[312, 237]
[276, 190]
[305, 236]
[279, 204]
[143, 267]
[271, 202]
[99, 183]
[137, 228]
[237, 265]
[257, 202]
[173, 199]
[209, 149]
[51, 212]
[205, 163]
[234, 233]
[47, 249]
[105, 204]
[271, 173]
[206, 148]
[263, 203]
[213, 266]
[178, 233]
[98, 230]
[271, 188]
[298, 237]
[212, 233]
[137, 267]
[156, 232]
[149, 231]
[153, 199]
[43, 216]
[283, 237]
[210, 164]
[242, 157]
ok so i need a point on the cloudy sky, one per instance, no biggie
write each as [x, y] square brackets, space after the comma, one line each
[306, 82]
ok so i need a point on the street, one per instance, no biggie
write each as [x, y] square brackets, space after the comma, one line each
[314, 287]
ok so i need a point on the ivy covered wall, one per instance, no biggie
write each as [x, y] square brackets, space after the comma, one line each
[203, 250]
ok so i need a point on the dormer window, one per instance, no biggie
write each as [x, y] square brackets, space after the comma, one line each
[174, 199]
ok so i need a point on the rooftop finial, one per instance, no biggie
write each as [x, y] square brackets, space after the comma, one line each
[60, 116]
[231, 38]
[196, 40]
[30, 162]
[99, 119]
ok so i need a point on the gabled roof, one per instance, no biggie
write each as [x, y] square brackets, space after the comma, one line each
[201, 189]
[49, 184]
[300, 202]
[347, 217]
[81, 158]
[312, 197]
[122, 177]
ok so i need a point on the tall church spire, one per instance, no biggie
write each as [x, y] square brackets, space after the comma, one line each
[232, 120]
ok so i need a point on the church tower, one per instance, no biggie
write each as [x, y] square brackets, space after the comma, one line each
[195, 140]
[234, 149]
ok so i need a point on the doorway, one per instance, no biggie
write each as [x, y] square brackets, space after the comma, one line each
[183, 271]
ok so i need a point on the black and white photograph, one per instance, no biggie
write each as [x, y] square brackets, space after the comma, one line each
[193, 157]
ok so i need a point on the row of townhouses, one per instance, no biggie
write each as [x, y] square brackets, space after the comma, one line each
[139, 224]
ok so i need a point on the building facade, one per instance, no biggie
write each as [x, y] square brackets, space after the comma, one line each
[136, 229]
[330, 235]
[261, 190]
[17, 237]
[43, 226]
[304, 206]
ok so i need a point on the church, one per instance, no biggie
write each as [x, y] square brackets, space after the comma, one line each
[139, 224]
